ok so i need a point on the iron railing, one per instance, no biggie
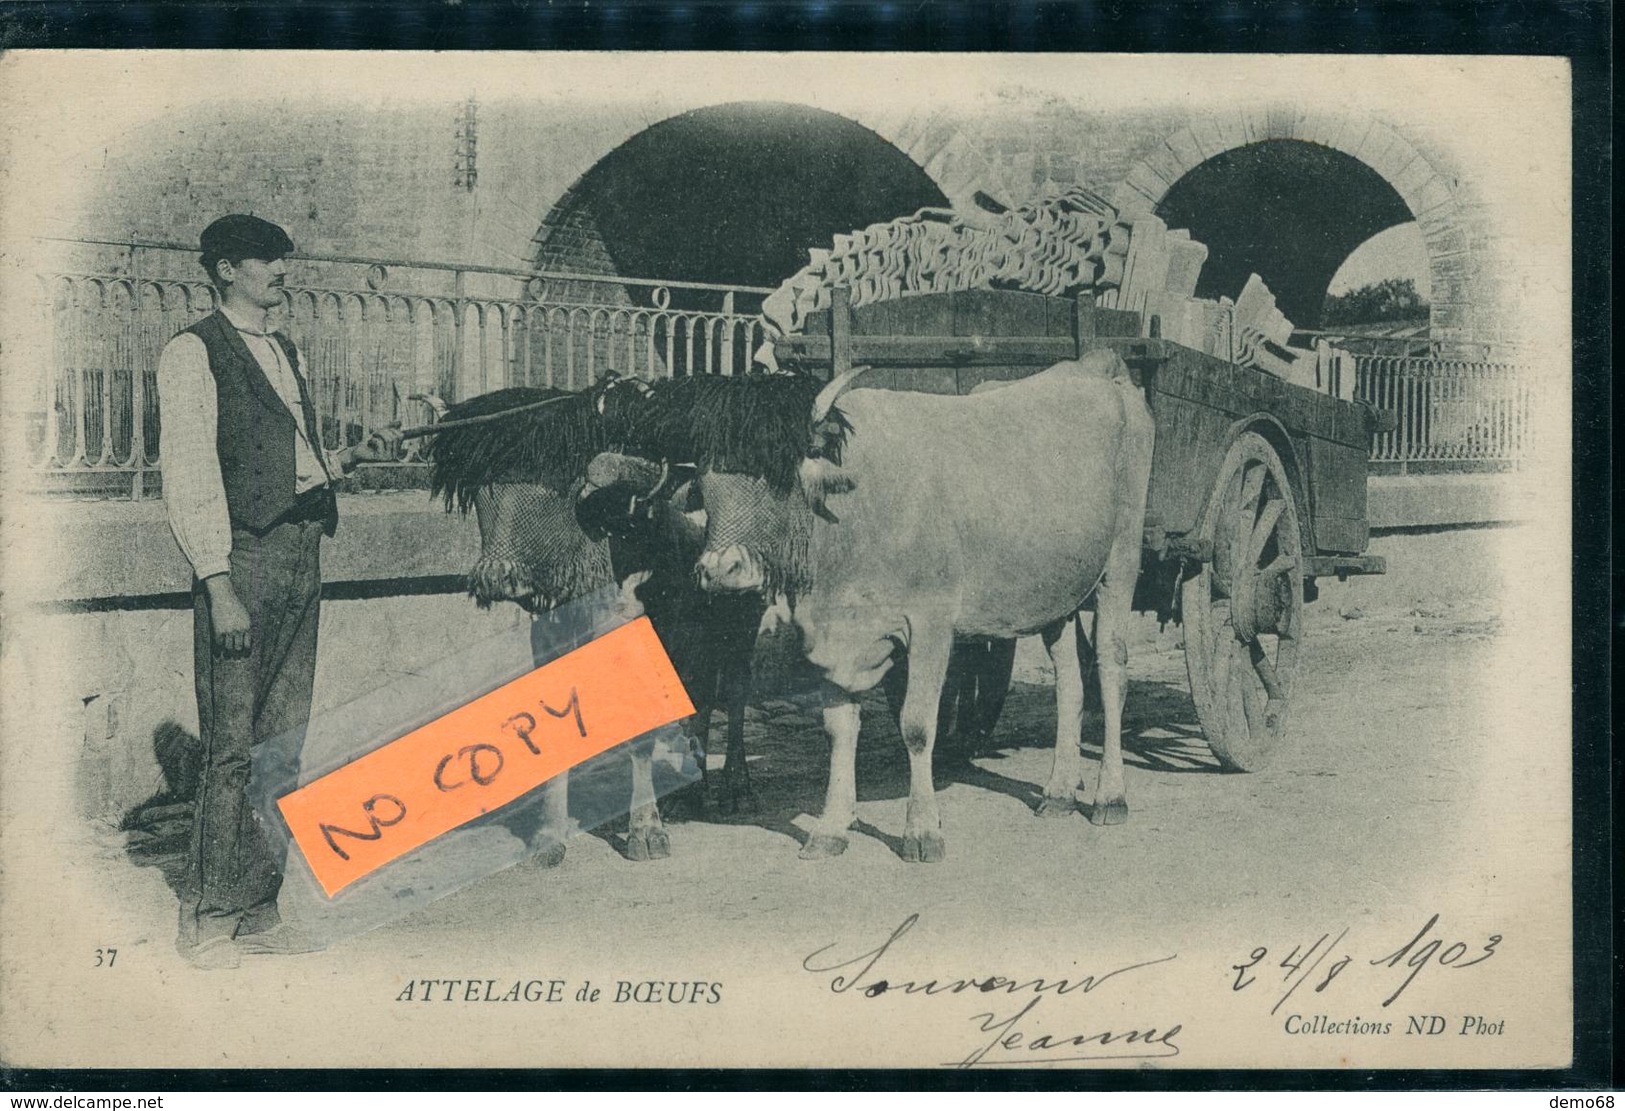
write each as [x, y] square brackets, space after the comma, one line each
[373, 332]
[93, 420]
[1449, 413]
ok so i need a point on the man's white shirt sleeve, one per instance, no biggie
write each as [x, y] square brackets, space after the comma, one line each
[194, 493]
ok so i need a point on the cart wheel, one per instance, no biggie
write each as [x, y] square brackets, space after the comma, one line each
[1243, 615]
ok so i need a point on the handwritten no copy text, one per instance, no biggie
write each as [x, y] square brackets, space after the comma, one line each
[484, 754]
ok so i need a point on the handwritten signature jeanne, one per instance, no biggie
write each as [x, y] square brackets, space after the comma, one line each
[1013, 1037]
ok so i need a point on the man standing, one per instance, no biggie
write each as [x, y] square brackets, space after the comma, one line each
[248, 490]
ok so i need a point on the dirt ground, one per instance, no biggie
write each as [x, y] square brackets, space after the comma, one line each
[1356, 785]
[1331, 777]
[1386, 804]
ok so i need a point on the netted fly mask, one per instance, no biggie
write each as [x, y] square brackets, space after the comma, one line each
[532, 551]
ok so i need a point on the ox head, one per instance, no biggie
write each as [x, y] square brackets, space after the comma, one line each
[521, 476]
[769, 450]
[640, 492]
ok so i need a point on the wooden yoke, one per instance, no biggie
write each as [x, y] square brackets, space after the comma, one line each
[840, 331]
[1084, 323]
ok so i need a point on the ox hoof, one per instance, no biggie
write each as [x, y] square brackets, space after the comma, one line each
[1052, 807]
[648, 844]
[1112, 812]
[926, 848]
[545, 853]
[822, 846]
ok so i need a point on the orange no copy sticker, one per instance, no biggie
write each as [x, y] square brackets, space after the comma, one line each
[485, 754]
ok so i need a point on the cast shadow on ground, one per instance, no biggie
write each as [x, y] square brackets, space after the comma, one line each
[790, 768]
[789, 762]
[1160, 731]
[158, 832]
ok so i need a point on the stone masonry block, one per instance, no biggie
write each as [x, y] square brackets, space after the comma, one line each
[1231, 131]
[1446, 240]
[1434, 195]
[933, 137]
[1281, 121]
[1385, 151]
[1166, 165]
[1319, 127]
[1130, 201]
[1449, 286]
[1348, 132]
[1148, 183]
[1208, 137]
[1451, 317]
[1256, 125]
[1435, 220]
[1185, 149]
[1411, 179]
[910, 130]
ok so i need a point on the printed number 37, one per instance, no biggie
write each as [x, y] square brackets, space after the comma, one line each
[105, 957]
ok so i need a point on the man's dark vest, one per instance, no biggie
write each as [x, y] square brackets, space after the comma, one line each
[255, 432]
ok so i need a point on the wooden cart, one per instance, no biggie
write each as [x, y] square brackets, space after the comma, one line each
[1258, 486]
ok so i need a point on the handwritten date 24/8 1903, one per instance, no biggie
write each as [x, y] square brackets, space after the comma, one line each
[1426, 949]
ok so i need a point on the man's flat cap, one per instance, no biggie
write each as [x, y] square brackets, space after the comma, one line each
[244, 236]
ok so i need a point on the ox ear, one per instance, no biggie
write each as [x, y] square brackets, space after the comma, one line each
[689, 530]
[819, 479]
[610, 468]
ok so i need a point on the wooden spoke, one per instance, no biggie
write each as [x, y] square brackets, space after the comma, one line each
[1252, 483]
[1280, 565]
[1265, 528]
[1250, 692]
[1266, 671]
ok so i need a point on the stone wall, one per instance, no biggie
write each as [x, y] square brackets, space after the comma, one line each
[381, 181]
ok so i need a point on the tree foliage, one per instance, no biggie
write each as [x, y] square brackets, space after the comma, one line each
[1390, 300]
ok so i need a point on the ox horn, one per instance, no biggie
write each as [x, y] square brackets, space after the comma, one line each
[825, 401]
[434, 401]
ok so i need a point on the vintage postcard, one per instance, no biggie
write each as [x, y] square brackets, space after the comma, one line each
[1028, 561]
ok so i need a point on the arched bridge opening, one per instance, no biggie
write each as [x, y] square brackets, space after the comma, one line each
[732, 194]
[1288, 210]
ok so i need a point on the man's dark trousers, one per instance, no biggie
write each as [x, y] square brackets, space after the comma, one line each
[252, 713]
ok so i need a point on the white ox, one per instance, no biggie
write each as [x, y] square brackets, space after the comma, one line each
[990, 515]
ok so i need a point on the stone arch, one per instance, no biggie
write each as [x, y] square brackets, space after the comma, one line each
[938, 144]
[1430, 195]
[734, 194]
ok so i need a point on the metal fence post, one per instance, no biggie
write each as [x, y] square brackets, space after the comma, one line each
[459, 288]
[726, 358]
[138, 374]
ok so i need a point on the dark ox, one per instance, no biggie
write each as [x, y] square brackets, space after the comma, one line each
[641, 495]
[905, 519]
[525, 477]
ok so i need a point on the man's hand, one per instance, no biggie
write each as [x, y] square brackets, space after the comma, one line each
[381, 447]
[229, 615]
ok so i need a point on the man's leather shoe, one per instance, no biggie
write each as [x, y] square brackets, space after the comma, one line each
[281, 940]
[216, 953]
